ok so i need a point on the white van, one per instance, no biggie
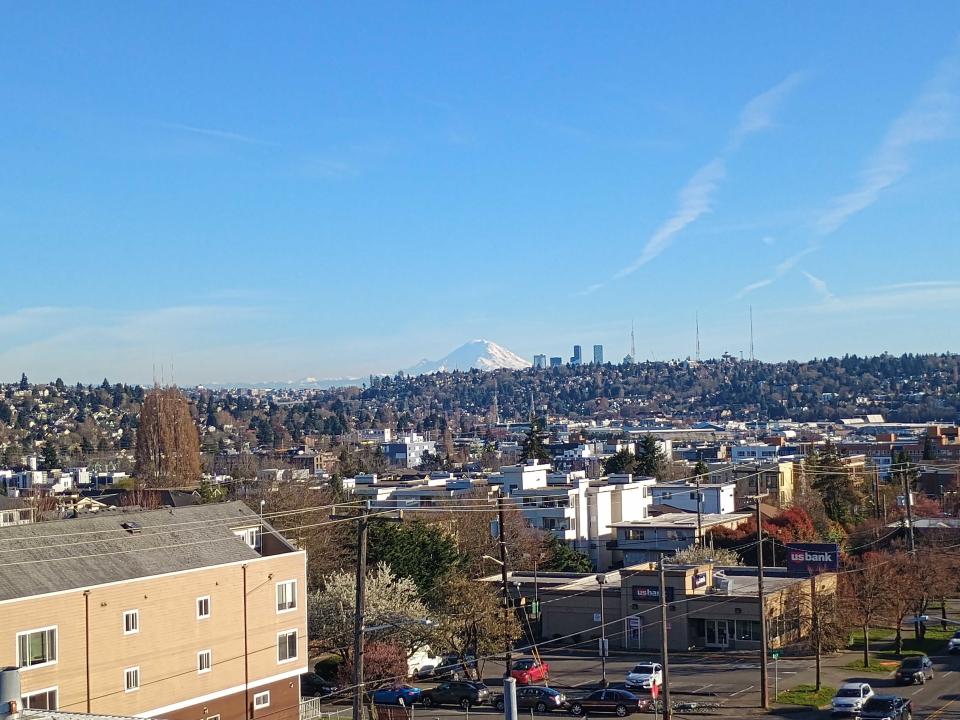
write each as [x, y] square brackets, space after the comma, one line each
[422, 663]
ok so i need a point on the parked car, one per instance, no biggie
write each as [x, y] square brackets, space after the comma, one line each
[453, 667]
[422, 663]
[886, 707]
[461, 693]
[312, 685]
[528, 670]
[915, 669]
[645, 675]
[620, 702]
[536, 697]
[953, 644]
[850, 698]
[393, 695]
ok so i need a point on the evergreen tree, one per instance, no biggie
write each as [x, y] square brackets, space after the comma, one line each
[650, 459]
[532, 447]
[560, 557]
[623, 461]
[51, 457]
[24, 383]
[701, 470]
[841, 497]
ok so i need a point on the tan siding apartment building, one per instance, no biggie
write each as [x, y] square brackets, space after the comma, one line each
[194, 613]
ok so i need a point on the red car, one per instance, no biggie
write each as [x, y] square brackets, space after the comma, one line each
[528, 671]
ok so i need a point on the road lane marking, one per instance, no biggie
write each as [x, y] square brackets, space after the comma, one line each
[703, 688]
[749, 687]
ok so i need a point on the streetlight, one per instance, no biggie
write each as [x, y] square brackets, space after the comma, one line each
[601, 581]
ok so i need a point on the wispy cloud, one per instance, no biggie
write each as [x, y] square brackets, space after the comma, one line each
[757, 115]
[907, 300]
[768, 240]
[778, 271]
[219, 134]
[694, 201]
[696, 197]
[931, 117]
[819, 286]
[589, 290]
[919, 284]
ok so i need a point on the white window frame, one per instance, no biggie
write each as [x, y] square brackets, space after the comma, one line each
[251, 536]
[261, 700]
[212, 717]
[136, 623]
[200, 669]
[209, 607]
[291, 592]
[296, 646]
[126, 675]
[56, 647]
[45, 691]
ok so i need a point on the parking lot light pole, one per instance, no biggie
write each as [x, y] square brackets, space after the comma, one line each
[601, 581]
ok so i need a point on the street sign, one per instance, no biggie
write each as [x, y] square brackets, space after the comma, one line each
[604, 646]
[775, 654]
[596, 617]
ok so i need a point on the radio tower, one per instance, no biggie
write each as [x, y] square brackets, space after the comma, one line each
[751, 334]
[633, 344]
[698, 337]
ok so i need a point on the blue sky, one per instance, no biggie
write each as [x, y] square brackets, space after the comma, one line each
[251, 192]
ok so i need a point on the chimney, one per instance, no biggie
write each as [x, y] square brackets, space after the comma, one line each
[9, 693]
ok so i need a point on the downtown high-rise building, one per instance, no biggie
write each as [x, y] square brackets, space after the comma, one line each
[598, 354]
[539, 361]
[577, 358]
[556, 361]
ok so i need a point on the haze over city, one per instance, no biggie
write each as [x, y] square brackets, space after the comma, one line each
[238, 194]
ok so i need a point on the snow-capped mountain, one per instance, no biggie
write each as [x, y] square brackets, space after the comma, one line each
[479, 354]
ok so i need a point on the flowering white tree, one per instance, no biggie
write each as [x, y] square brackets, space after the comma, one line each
[393, 612]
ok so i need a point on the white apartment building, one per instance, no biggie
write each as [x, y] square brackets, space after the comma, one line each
[715, 497]
[753, 451]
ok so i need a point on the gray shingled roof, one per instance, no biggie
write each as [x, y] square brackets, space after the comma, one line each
[66, 554]
[12, 503]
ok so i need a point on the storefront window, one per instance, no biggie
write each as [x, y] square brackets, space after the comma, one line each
[748, 630]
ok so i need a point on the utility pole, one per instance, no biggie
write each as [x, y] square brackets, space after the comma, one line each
[664, 650]
[601, 581]
[358, 621]
[699, 514]
[764, 700]
[906, 496]
[502, 542]
[360, 601]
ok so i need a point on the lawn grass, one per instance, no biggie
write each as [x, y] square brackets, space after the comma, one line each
[877, 665]
[807, 695]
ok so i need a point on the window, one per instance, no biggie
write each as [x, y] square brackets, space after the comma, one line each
[37, 647]
[287, 646]
[748, 630]
[204, 661]
[286, 596]
[41, 700]
[131, 622]
[212, 717]
[203, 607]
[261, 700]
[131, 679]
[251, 536]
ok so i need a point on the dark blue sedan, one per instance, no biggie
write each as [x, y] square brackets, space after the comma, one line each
[393, 695]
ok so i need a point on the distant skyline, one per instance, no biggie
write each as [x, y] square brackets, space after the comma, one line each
[251, 194]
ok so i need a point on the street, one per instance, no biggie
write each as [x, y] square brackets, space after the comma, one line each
[731, 681]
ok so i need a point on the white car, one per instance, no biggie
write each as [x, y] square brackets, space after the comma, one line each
[953, 646]
[850, 698]
[645, 675]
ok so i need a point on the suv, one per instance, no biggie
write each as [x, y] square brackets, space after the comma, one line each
[850, 698]
[621, 702]
[916, 669]
[528, 670]
[886, 707]
[645, 675]
[463, 694]
[535, 697]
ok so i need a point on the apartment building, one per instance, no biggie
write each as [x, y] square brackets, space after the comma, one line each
[192, 613]
[714, 497]
[639, 541]
[14, 511]
[776, 479]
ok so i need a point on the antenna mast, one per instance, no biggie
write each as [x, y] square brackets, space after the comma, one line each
[698, 336]
[633, 344]
[752, 358]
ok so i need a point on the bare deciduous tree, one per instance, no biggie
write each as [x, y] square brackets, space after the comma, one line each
[168, 444]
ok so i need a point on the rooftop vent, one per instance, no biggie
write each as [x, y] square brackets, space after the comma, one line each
[132, 527]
